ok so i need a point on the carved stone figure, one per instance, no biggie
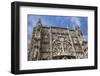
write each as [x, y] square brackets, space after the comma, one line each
[50, 43]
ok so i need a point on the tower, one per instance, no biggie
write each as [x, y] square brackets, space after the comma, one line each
[36, 42]
[79, 34]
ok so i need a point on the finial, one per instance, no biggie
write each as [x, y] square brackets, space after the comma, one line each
[39, 23]
[77, 27]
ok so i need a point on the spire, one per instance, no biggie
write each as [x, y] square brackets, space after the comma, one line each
[77, 27]
[39, 23]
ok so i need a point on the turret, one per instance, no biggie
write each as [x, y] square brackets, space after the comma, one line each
[36, 41]
[39, 23]
[79, 33]
[38, 29]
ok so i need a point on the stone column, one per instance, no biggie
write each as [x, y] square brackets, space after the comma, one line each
[72, 43]
[50, 43]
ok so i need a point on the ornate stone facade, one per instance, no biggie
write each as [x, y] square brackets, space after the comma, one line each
[50, 43]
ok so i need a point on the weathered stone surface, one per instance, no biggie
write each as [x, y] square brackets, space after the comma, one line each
[50, 43]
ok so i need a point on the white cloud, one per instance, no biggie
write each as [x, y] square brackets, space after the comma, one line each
[85, 37]
[75, 21]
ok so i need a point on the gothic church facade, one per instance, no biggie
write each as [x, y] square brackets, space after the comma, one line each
[52, 43]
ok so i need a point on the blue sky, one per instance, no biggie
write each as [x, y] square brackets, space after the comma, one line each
[58, 21]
